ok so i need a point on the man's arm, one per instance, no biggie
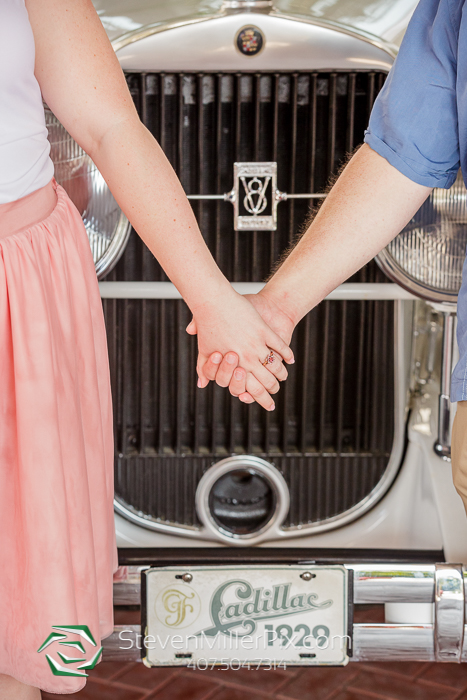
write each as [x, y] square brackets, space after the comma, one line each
[368, 206]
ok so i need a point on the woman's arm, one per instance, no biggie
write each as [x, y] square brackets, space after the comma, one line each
[82, 82]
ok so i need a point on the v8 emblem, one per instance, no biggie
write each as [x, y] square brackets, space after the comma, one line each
[255, 201]
[254, 196]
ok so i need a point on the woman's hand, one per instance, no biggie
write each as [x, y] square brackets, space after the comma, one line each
[233, 324]
[224, 369]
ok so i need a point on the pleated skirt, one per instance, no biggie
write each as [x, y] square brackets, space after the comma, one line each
[57, 537]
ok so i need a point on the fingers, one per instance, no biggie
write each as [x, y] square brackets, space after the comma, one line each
[212, 365]
[237, 385]
[247, 387]
[277, 369]
[266, 378]
[221, 370]
[225, 372]
[226, 369]
[203, 381]
[191, 328]
[259, 393]
[277, 344]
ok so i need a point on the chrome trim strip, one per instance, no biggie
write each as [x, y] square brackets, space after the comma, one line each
[284, 196]
[166, 290]
[449, 612]
[207, 196]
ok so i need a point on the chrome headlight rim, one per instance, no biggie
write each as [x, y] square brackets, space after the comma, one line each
[427, 257]
[117, 246]
[118, 240]
[391, 269]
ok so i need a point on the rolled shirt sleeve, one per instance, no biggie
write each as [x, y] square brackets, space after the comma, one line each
[414, 123]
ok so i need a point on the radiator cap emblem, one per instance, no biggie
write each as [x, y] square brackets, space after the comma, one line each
[250, 41]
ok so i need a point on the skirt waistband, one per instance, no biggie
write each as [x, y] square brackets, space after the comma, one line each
[24, 213]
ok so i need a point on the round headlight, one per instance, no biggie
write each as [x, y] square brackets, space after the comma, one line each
[107, 227]
[427, 257]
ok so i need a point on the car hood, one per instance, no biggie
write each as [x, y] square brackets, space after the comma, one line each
[384, 19]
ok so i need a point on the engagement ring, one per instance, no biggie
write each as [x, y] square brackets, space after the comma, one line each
[269, 360]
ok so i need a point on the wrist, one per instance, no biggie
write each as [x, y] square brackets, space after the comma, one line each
[286, 303]
[213, 296]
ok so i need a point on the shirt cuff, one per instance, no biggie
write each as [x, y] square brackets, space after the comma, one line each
[458, 391]
[414, 171]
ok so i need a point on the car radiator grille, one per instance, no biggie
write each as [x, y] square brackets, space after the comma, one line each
[332, 431]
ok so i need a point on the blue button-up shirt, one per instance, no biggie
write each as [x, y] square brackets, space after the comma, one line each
[419, 119]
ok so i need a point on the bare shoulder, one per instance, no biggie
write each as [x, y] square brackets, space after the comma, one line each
[76, 67]
[66, 22]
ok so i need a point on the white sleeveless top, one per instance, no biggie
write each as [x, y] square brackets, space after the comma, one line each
[25, 164]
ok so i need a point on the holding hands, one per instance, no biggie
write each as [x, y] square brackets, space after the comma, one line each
[248, 377]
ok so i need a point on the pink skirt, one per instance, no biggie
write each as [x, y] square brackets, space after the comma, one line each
[57, 537]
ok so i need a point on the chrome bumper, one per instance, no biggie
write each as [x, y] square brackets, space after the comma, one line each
[442, 584]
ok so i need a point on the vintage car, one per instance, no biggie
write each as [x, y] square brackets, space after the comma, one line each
[229, 517]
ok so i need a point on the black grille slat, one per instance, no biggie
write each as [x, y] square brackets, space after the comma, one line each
[359, 403]
[332, 120]
[341, 384]
[324, 389]
[293, 151]
[351, 113]
[162, 407]
[331, 434]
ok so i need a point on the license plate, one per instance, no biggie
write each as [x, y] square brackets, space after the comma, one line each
[272, 616]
